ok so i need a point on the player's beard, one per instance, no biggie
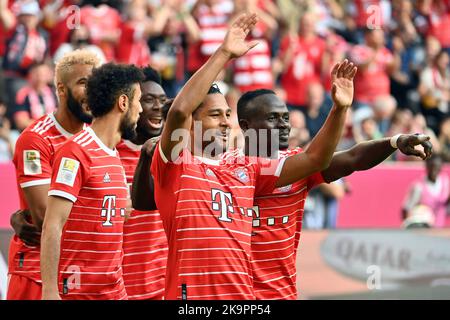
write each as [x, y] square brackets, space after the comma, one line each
[128, 127]
[76, 109]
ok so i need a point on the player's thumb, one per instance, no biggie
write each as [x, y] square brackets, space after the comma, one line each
[417, 153]
[252, 44]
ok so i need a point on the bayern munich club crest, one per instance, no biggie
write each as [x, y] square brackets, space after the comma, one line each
[242, 175]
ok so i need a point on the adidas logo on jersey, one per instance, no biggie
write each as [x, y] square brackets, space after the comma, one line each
[106, 178]
[210, 173]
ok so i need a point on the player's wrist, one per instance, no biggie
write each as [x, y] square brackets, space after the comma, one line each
[394, 140]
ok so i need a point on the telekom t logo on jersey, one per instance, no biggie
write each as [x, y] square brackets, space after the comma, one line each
[109, 210]
[223, 202]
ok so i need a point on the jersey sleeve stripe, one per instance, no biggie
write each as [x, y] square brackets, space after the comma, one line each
[280, 167]
[62, 194]
[35, 183]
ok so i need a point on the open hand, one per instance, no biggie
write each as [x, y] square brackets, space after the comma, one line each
[342, 77]
[235, 44]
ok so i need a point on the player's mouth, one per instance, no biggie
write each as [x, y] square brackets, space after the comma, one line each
[223, 136]
[284, 135]
[155, 122]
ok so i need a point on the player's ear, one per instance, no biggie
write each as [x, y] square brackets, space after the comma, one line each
[60, 90]
[123, 102]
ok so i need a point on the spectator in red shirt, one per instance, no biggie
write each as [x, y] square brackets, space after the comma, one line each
[301, 59]
[254, 70]
[103, 23]
[439, 23]
[36, 99]
[212, 17]
[135, 30]
[27, 44]
[375, 64]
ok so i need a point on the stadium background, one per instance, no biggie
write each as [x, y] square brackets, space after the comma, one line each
[415, 45]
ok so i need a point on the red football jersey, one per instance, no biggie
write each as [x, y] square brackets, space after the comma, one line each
[207, 207]
[91, 176]
[304, 69]
[276, 234]
[144, 241]
[133, 48]
[33, 159]
[101, 21]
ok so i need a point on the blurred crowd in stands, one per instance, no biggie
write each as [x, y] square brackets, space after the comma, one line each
[401, 48]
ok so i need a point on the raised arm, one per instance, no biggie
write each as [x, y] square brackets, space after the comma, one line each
[318, 155]
[142, 191]
[368, 154]
[58, 210]
[195, 90]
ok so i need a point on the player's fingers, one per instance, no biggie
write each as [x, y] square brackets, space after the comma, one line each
[239, 21]
[31, 229]
[415, 152]
[250, 25]
[249, 21]
[427, 148]
[342, 68]
[422, 138]
[352, 74]
[335, 70]
[31, 241]
[348, 69]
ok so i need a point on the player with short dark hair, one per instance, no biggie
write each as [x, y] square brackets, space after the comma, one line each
[278, 222]
[34, 159]
[205, 196]
[81, 254]
[144, 239]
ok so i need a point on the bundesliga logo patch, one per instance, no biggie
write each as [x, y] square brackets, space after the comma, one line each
[32, 162]
[242, 175]
[67, 171]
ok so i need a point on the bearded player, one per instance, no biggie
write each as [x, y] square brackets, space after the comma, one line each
[34, 160]
[278, 221]
[144, 239]
[81, 256]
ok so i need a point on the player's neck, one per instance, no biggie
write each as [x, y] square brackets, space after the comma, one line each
[108, 132]
[198, 151]
[66, 120]
[140, 139]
